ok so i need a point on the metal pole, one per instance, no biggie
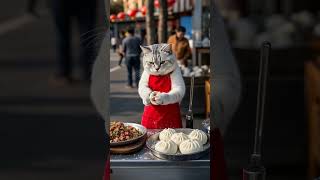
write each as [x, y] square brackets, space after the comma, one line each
[255, 170]
[189, 116]
[264, 60]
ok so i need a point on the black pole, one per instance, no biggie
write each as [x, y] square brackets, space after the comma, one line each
[264, 61]
[255, 170]
[189, 116]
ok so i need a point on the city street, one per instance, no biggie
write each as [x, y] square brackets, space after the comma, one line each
[50, 132]
[46, 132]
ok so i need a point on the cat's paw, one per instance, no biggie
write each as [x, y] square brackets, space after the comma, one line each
[152, 97]
[161, 98]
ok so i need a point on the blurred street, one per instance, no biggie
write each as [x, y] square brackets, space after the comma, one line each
[125, 104]
[46, 132]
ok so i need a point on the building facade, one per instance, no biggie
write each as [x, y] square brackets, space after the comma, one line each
[179, 6]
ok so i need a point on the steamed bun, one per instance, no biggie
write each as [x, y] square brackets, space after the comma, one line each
[166, 134]
[179, 137]
[199, 135]
[166, 147]
[190, 146]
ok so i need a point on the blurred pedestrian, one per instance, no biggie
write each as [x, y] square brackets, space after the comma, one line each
[180, 46]
[143, 35]
[114, 43]
[120, 49]
[131, 50]
[64, 13]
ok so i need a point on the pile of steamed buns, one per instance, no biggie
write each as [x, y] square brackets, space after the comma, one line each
[172, 141]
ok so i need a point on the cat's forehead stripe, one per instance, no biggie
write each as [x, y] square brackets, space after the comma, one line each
[155, 52]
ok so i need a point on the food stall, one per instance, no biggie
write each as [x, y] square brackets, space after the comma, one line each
[179, 153]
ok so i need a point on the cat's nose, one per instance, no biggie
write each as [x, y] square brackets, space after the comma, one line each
[157, 68]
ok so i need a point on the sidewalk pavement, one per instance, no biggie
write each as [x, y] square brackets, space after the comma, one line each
[125, 103]
[46, 132]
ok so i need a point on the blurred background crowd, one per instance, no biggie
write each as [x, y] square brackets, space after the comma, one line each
[49, 128]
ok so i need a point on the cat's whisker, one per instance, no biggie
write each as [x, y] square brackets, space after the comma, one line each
[95, 29]
[94, 40]
[92, 37]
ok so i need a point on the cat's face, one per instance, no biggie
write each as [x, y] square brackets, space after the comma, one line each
[158, 59]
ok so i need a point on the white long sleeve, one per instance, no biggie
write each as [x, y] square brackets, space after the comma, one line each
[144, 90]
[177, 87]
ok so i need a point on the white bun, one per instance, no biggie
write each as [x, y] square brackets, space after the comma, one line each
[166, 147]
[199, 135]
[190, 146]
[179, 137]
[165, 135]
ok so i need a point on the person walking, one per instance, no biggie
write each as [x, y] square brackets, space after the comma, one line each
[143, 35]
[180, 46]
[64, 12]
[120, 49]
[131, 50]
[114, 43]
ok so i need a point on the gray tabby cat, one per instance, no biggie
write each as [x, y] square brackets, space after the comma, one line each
[158, 60]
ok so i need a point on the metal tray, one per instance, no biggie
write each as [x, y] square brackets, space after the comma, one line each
[153, 139]
[139, 127]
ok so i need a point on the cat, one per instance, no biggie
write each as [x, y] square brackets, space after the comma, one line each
[161, 87]
[158, 62]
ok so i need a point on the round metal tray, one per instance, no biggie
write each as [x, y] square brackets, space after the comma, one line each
[139, 127]
[153, 139]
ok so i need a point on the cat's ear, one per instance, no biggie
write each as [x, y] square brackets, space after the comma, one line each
[167, 48]
[145, 49]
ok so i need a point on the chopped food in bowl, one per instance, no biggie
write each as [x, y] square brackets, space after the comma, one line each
[120, 132]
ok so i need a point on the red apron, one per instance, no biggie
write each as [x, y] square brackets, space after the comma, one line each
[161, 116]
[106, 175]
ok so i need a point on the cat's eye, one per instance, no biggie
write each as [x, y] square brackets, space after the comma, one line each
[166, 52]
[162, 62]
[151, 63]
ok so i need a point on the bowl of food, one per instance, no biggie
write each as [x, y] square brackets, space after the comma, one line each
[179, 144]
[125, 133]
